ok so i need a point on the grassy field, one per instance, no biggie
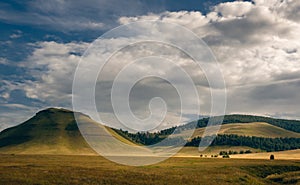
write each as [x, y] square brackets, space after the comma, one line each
[27, 156]
[256, 153]
[258, 129]
[212, 150]
[52, 169]
[283, 155]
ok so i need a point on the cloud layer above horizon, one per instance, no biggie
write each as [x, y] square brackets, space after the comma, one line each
[256, 44]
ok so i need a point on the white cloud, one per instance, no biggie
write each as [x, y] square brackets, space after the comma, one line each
[53, 66]
[5, 95]
[288, 9]
[234, 9]
[16, 35]
[3, 61]
[257, 45]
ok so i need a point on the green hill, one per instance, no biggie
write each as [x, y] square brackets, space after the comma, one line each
[291, 125]
[51, 131]
[258, 129]
[55, 131]
[236, 130]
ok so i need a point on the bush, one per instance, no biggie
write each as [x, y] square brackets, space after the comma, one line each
[223, 153]
[248, 152]
[226, 156]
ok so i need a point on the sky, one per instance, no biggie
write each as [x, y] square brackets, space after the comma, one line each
[255, 42]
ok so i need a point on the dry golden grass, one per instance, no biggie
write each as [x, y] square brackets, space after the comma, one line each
[286, 178]
[283, 155]
[51, 169]
[259, 129]
[212, 150]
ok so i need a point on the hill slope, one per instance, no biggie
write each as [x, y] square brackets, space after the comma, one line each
[291, 125]
[258, 129]
[55, 131]
[51, 131]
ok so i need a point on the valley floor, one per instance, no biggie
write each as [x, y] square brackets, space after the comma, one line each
[54, 169]
[257, 154]
[282, 155]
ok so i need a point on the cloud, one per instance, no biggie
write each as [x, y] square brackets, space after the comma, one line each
[3, 61]
[13, 114]
[288, 9]
[256, 43]
[234, 10]
[57, 15]
[52, 66]
[73, 15]
[16, 35]
[272, 99]
[257, 47]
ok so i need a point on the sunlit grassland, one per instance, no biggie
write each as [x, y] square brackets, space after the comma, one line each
[52, 169]
[258, 129]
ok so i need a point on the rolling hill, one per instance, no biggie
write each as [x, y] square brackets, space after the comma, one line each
[51, 131]
[291, 125]
[258, 129]
[55, 131]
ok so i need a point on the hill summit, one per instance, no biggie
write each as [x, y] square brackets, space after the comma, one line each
[50, 131]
